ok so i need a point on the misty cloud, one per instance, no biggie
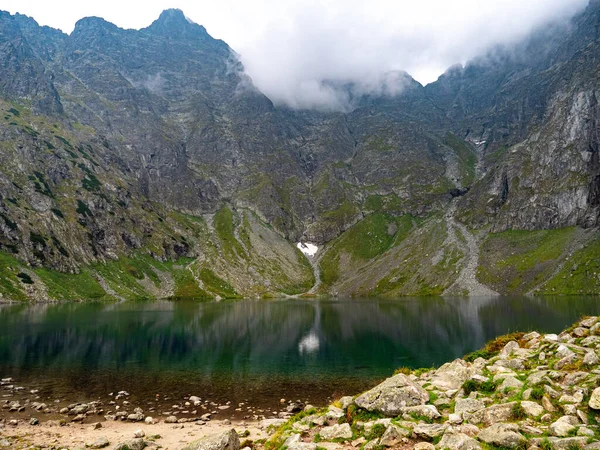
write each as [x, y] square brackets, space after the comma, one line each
[306, 48]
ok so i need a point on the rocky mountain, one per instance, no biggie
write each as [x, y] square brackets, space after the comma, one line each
[145, 163]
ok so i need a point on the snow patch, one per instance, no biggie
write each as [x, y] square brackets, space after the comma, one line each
[307, 248]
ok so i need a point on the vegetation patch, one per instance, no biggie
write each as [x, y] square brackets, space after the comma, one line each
[517, 261]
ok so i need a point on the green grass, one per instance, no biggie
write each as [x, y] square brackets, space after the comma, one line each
[217, 285]
[81, 286]
[367, 239]
[186, 286]
[579, 275]
[224, 227]
[516, 261]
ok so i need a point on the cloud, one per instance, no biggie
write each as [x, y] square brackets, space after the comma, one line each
[305, 45]
[299, 52]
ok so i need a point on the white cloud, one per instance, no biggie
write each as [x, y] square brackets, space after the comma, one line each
[289, 47]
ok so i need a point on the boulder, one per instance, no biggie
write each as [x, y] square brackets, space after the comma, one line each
[493, 414]
[424, 446]
[594, 402]
[532, 409]
[132, 444]
[468, 405]
[346, 401]
[451, 375]
[342, 431]
[458, 441]
[393, 436]
[564, 426]
[392, 395]
[228, 440]
[591, 358]
[101, 442]
[428, 411]
[429, 431]
[589, 322]
[502, 435]
[294, 443]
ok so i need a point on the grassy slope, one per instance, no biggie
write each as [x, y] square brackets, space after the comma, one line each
[515, 262]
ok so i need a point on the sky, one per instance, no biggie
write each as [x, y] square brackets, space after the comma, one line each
[290, 47]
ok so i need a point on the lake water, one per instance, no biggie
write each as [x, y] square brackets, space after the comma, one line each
[254, 352]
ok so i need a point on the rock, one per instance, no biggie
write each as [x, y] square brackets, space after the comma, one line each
[346, 401]
[510, 383]
[132, 444]
[149, 420]
[334, 413]
[393, 436]
[342, 431]
[455, 419]
[563, 426]
[509, 349]
[136, 417]
[594, 402]
[196, 401]
[580, 331]
[139, 433]
[371, 445]
[493, 414]
[33, 421]
[585, 431]
[589, 322]
[101, 442]
[78, 418]
[547, 404]
[428, 411]
[563, 351]
[429, 431]
[468, 405]
[294, 443]
[458, 441]
[502, 435]
[392, 395]
[368, 426]
[451, 375]
[228, 440]
[591, 358]
[532, 409]
[571, 359]
[330, 446]
[562, 443]
[171, 419]
[424, 446]
[79, 409]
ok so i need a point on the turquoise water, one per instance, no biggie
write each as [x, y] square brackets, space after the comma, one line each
[255, 351]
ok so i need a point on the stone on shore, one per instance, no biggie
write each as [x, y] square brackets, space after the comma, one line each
[392, 395]
[228, 440]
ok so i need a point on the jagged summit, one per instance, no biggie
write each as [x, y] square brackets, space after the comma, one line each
[174, 23]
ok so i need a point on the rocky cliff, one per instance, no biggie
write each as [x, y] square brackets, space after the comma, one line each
[146, 163]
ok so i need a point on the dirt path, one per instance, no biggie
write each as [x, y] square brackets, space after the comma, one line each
[467, 279]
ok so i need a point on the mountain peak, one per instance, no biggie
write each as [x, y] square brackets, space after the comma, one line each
[173, 22]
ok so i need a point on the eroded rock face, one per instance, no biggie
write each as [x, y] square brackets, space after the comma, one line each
[392, 395]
